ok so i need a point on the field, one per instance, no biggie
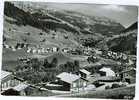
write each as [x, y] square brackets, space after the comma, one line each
[112, 93]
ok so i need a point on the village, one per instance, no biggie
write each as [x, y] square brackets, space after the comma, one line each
[69, 81]
[67, 53]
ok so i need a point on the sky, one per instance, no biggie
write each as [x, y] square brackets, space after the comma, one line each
[126, 15]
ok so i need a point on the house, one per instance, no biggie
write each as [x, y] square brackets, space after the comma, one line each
[106, 72]
[98, 52]
[13, 48]
[65, 50]
[6, 46]
[8, 80]
[39, 51]
[84, 73]
[72, 82]
[11, 85]
[21, 88]
[43, 50]
[55, 49]
[34, 51]
[128, 75]
[29, 50]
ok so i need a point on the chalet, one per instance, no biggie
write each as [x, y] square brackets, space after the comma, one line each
[106, 72]
[8, 80]
[11, 85]
[55, 49]
[34, 51]
[38, 51]
[29, 50]
[65, 50]
[128, 75]
[6, 46]
[13, 48]
[84, 73]
[42, 50]
[72, 82]
[48, 49]
[98, 52]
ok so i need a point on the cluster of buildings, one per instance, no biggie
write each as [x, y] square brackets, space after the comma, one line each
[30, 49]
[79, 81]
[116, 56]
[85, 80]
[73, 82]
[42, 50]
[15, 47]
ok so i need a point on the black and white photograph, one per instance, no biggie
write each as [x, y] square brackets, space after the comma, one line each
[69, 50]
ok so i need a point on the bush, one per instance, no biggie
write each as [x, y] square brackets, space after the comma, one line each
[115, 86]
[97, 84]
[107, 87]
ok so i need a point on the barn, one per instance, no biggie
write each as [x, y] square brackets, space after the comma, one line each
[72, 82]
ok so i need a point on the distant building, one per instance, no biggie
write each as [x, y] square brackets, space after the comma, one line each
[29, 50]
[54, 49]
[38, 51]
[34, 51]
[6, 46]
[65, 50]
[72, 82]
[98, 52]
[43, 50]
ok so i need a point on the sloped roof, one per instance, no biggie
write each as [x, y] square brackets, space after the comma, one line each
[67, 77]
[108, 71]
[4, 74]
[20, 87]
[85, 71]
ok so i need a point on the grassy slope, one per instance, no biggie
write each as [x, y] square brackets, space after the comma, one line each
[113, 93]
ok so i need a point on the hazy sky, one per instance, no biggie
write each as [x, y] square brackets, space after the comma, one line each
[126, 15]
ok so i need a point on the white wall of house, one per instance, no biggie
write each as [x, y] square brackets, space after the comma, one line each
[108, 71]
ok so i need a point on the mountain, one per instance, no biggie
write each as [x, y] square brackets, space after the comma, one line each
[126, 42]
[42, 27]
[59, 27]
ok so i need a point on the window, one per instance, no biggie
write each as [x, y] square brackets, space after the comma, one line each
[84, 84]
[74, 85]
